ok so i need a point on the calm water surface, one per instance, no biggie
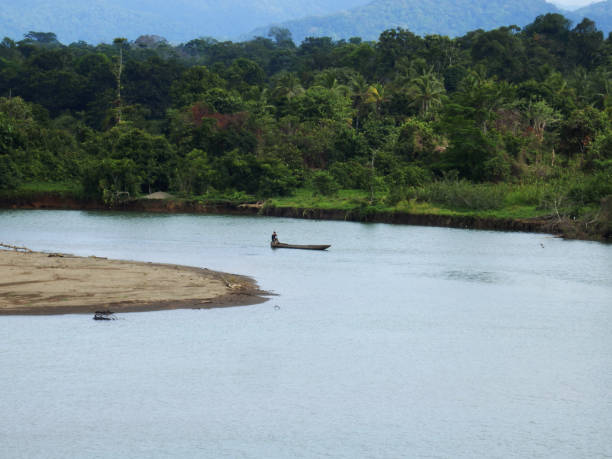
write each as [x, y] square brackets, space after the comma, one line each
[400, 341]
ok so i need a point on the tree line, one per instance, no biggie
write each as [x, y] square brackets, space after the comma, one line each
[266, 116]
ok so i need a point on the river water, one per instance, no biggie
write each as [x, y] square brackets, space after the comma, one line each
[399, 341]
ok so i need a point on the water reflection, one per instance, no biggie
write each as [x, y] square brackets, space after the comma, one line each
[471, 276]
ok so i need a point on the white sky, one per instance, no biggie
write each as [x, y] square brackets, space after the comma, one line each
[572, 4]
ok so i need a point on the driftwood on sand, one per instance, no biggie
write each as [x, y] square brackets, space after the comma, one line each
[15, 247]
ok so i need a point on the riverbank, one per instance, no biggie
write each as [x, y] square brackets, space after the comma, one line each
[43, 283]
[597, 229]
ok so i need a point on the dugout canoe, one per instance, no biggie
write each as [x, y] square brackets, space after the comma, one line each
[280, 245]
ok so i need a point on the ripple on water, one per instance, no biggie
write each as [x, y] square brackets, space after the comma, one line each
[471, 276]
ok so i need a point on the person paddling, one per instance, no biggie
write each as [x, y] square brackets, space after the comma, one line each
[274, 237]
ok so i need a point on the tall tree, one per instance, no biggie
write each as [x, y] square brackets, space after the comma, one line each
[427, 92]
[540, 115]
[119, 44]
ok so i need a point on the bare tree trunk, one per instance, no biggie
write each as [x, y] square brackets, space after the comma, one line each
[373, 176]
[552, 162]
[119, 85]
[119, 42]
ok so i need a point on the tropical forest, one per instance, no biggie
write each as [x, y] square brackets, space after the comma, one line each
[512, 123]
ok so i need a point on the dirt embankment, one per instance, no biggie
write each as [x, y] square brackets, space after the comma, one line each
[598, 228]
[49, 201]
[467, 222]
[57, 201]
[42, 283]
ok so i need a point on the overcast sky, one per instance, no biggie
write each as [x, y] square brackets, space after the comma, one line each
[572, 4]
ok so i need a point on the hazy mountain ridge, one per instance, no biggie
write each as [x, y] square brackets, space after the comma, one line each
[90, 22]
[182, 20]
[451, 17]
[601, 13]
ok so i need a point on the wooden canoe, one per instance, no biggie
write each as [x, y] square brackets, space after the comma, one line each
[280, 245]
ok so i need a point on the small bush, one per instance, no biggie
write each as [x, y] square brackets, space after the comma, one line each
[324, 184]
[396, 194]
[351, 175]
[497, 168]
[525, 195]
[9, 173]
[591, 189]
[462, 194]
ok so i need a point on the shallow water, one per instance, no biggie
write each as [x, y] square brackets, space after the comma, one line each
[400, 341]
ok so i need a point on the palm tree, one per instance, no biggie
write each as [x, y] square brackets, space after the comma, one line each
[332, 84]
[580, 82]
[427, 92]
[288, 85]
[365, 97]
[601, 87]
[485, 96]
[262, 106]
[376, 95]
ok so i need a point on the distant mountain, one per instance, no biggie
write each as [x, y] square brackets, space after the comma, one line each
[95, 21]
[601, 13]
[443, 17]
[178, 21]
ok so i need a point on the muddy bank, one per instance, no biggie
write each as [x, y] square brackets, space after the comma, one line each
[466, 222]
[53, 201]
[43, 283]
[599, 229]
[561, 227]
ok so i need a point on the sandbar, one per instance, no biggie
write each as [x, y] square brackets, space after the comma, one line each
[53, 283]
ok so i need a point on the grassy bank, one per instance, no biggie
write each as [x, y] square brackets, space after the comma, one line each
[562, 209]
[556, 207]
[416, 202]
[68, 189]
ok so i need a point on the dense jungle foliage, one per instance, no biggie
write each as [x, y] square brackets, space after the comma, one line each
[492, 118]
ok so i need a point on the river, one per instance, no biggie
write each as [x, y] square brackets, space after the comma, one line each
[399, 341]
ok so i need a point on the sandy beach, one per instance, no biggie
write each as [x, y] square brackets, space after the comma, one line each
[44, 283]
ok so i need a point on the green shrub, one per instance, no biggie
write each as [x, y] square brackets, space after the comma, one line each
[497, 168]
[351, 175]
[275, 179]
[461, 194]
[408, 175]
[108, 177]
[591, 189]
[525, 195]
[9, 174]
[324, 184]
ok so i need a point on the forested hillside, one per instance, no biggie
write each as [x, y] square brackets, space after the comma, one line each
[600, 13]
[423, 17]
[95, 21]
[489, 120]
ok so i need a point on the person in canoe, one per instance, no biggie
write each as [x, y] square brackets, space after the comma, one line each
[274, 237]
